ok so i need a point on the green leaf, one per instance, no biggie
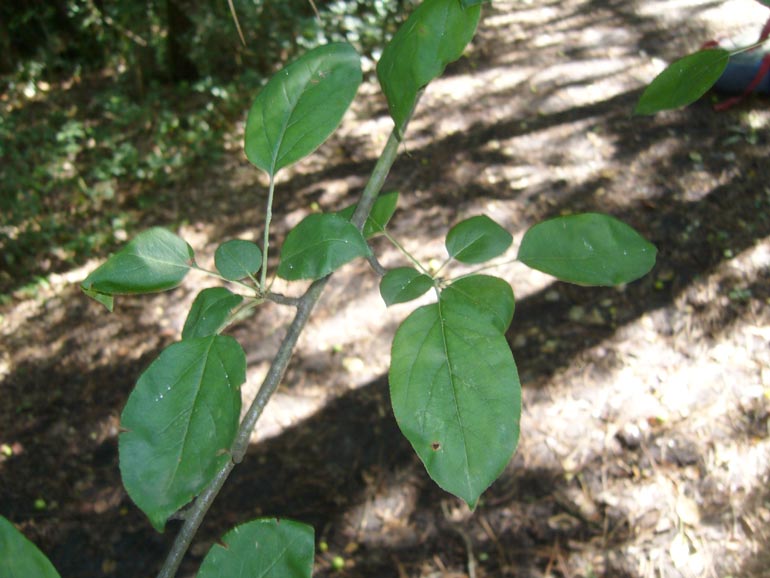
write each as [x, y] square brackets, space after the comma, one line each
[379, 216]
[301, 106]
[179, 423]
[318, 245]
[765, 2]
[588, 249]
[490, 299]
[20, 558]
[469, 3]
[264, 548]
[683, 81]
[477, 240]
[434, 35]
[455, 389]
[404, 284]
[209, 312]
[154, 260]
[107, 300]
[237, 259]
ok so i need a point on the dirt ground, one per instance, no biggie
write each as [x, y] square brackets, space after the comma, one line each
[645, 448]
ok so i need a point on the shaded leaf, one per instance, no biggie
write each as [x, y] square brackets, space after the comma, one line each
[179, 422]
[455, 389]
[589, 249]
[20, 558]
[469, 3]
[477, 240]
[318, 245]
[155, 260]
[684, 81]
[434, 35]
[404, 284]
[379, 216]
[209, 312]
[267, 548]
[301, 106]
[237, 259]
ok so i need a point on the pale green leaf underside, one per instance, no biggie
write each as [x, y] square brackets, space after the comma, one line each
[434, 35]
[263, 548]
[179, 422]
[20, 558]
[301, 106]
[455, 392]
[588, 249]
[155, 260]
[684, 81]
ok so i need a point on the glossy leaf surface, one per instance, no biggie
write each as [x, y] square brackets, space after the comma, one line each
[477, 240]
[434, 35]
[237, 259]
[404, 284]
[379, 216]
[455, 389]
[588, 249]
[179, 423]
[301, 106]
[209, 312]
[684, 81]
[264, 548]
[318, 245]
[20, 558]
[155, 260]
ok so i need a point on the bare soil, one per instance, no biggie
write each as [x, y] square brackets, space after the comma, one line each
[645, 447]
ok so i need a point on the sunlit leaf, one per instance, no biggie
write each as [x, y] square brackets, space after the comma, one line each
[588, 249]
[477, 240]
[237, 259]
[404, 284]
[684, 81]
[267, 548]
[20, 558]
[209, 312]
[455, 389]
[179, 422]
[154, 260]
[318, 245]
[434, 35]
[379, 216]
[301, 106]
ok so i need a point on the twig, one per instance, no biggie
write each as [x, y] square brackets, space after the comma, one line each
[237, 22]
[276, 372]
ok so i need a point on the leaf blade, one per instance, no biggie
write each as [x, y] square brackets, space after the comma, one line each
[434, 35]
[19, 557]
[588, 249]
[319, 245]
[459, 409]
[236, 259]
[404, 284]
[284, 550]
[380, 215]
[179, 421]
[155, 260]
[477, 240]
[301, 106]
[209, 312]
[683, 81]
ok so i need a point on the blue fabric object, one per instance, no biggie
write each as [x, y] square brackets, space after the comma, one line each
[740, 71]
